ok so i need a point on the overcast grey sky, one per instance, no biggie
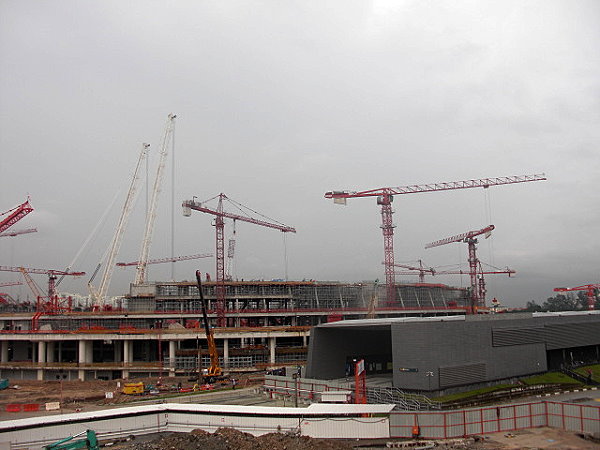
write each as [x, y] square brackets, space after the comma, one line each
[281, 101]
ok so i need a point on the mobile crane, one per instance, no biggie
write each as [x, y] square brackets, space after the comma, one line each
[214, 372]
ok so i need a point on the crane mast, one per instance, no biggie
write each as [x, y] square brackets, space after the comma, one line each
[385, 197]
[219, 225]
[140, 276]
[99, 295]
[477, 280]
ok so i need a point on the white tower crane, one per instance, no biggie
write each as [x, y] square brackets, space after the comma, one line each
[99, 295]
[140, 276]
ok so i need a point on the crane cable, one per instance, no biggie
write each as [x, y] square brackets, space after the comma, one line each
[92, 235]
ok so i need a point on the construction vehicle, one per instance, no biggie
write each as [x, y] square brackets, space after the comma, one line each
[90, 442]
[133, 388]
[214, 372]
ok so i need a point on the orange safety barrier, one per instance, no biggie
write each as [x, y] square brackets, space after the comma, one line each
[28, 407]
[13, 407]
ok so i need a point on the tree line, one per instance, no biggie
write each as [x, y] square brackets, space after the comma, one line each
[563, 302]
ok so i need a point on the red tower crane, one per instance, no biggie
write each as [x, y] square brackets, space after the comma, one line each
[14, 215]
[219, 225]
[589, 288]
[411, 270]
[166, 260]
[475, 270]
[385, 197]
[52, 304]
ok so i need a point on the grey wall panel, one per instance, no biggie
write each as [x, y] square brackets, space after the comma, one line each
[572, 335]
[517, 336]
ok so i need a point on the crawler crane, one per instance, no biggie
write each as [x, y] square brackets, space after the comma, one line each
[214, 372]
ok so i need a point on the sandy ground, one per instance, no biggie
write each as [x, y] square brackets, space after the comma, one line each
[543, 437]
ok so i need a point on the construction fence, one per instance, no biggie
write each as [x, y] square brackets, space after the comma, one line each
[414, 411]
[492, 419]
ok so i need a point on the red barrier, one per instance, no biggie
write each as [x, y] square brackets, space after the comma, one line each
[28, 407]
[14, 407]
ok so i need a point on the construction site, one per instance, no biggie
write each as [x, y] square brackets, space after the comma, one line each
[158, 327]
[217, 328]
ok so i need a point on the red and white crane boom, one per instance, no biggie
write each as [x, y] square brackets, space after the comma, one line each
[39, 271]
[14, 215]
[140, 275]
[475, 271]
[166, 260]
[219, 224]
[589, 288]
[385, 197]
[463, 237]
[98, 295]
[411, 270]
[18, 232]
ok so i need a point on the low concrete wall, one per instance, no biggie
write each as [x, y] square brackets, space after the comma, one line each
[327, 421]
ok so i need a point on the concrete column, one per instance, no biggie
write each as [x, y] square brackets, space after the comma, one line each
[82, 356]
[226, 352]
[305, 340]
[172, 349]
[41, 354]
[127, 356]
[60, 351]
[4, 352]
[272, 350]
[81, 352]
[50, 351]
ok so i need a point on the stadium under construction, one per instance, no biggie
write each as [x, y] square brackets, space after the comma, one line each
[157, 330]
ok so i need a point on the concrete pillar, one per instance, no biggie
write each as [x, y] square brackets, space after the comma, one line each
[41, 352]
[127, 356]
[172, 349]
[304, 340]
[81, 352]
[272, 350]
[4, 352]
[82, 356]
[50, 351]
[226, 352]
[60, 351]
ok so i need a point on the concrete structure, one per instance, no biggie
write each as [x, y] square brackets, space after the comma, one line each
[441, 353]
[320, 421]
[158, 329]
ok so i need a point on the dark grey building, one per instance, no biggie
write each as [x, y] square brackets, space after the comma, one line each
[438, 353]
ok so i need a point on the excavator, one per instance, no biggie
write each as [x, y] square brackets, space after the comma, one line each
[90, 442]
[214, 372]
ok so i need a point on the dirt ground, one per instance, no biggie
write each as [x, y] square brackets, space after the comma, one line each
[230, 439]
[77, 395]
[534, 438]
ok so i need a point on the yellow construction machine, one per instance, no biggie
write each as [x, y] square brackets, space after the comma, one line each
[214, 372]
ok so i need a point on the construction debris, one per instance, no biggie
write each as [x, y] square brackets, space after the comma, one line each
[231, 439]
